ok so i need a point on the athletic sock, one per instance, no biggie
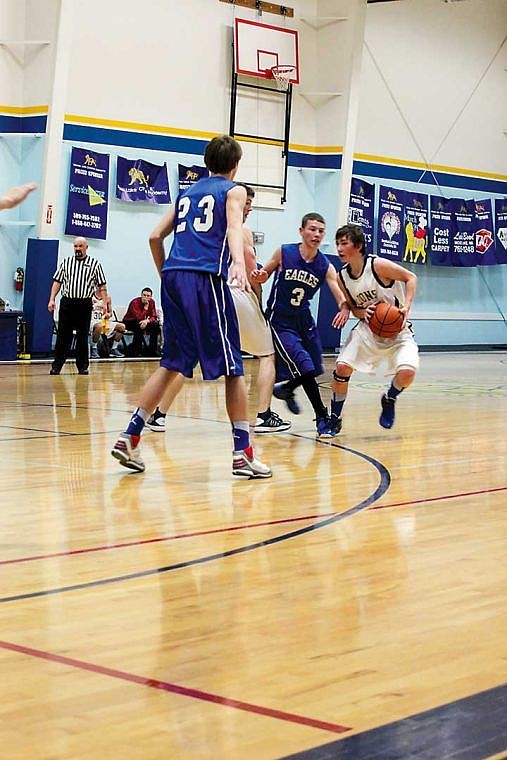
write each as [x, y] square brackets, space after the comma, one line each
[337, 403]
[240, 434]
[264, 415]
[393, 392]
[312, 391]
[137, 422]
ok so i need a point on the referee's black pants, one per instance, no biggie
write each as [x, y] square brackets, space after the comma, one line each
[74, 314]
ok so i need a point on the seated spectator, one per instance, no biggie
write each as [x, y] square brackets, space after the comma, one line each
[141, 319]
[102, 311]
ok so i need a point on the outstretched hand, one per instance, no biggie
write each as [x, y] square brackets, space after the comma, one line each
[341, 317]
[237, 276]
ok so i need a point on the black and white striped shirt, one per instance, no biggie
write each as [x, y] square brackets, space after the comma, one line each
[79, 279]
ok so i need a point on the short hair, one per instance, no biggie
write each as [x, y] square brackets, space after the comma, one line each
[354, 233]
[312, 215]
[147, 290]
[222, 154]
[250, 192]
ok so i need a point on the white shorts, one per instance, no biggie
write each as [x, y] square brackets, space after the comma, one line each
[254, 331]
[111, 330]
[364, 352]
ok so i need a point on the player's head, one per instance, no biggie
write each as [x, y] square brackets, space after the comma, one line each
[80, 247]
[222, 155]
[313, 229]
[250, 195]
[353, 234]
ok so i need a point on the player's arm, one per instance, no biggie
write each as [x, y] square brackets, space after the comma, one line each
[251, 260]
[236, 199]
[388, 270]
[108, 307]
[15, 195]
[261, 275]
[344, 310]
[157, 237]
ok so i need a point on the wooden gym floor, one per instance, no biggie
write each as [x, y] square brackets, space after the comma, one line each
[354, 606]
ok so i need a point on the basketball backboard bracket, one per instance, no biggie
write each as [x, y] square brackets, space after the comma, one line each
[263, 7]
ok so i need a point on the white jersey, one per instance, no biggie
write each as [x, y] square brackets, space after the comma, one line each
[368, 287]
[98, 308]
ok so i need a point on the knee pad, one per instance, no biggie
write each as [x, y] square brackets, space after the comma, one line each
[340, 378]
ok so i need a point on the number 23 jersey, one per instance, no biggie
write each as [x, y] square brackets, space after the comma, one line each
[200, 228]
[296, 282]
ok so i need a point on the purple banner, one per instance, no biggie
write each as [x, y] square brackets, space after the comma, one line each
[188, 175]
[441, 231]
[501, 230]
[362, 209]
[464, 234]
[390, 223]
[138, 180]
[88, 194]
[415, 228]
[484, 233]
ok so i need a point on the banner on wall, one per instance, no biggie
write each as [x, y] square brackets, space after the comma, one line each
[189, 175]
[415, 218]
[88, 194]
[362, 209]
[464, 254]
[139, 180]
[441, 231]
[390, 223]
[484, 233]
[501, 230]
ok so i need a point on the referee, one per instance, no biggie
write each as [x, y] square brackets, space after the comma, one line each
[78, 277]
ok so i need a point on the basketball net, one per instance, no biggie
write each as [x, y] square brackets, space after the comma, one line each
[282, 76]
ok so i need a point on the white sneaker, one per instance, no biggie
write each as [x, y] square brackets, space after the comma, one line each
[272, 424]
[128, 455]
[245, 465]
[156, 422]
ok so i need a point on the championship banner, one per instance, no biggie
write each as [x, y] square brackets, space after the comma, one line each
[501, 230]
[484, 234]
[138, 180]
[390, 223]
[464, 234]
[188, 175]
[441, 231]
[88, 194]
[415, 227]
[362, 209]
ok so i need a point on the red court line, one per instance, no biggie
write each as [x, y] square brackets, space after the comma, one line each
[439, 498]
[107, 547]
[185, 691]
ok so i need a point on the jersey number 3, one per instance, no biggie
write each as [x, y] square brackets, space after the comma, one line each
[201, 223]
[297, 296]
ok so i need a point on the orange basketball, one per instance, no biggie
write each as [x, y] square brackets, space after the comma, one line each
[386, 320]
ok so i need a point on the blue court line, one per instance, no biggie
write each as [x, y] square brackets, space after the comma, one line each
[467, 729]
[385, 481]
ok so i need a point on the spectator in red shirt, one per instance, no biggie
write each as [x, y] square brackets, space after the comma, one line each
[141, 319]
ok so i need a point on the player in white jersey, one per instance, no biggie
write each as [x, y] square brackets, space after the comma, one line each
[101, 324]
[366, 280]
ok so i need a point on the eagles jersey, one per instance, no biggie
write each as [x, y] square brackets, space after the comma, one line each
[296, 282]
[200, 228]
[368, 288]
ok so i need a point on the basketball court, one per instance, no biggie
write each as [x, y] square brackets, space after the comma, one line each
[353, 602]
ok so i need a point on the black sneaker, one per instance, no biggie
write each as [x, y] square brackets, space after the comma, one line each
[386, 419]
[156, 422]
[271, 424]
[280, 391]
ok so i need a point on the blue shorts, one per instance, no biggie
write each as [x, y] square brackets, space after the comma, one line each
[298, 348]
[200, 325]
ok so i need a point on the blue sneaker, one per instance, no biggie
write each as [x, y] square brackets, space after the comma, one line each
[387, 416]
[335, 423]
[280, 391]
[324, 427]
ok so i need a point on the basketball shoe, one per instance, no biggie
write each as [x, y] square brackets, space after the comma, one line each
[388, 413]
[280, 391]
[335, 423]
[127, 454]
[245, 465]
[116, 353]
[94, 353]
[324, 427]
[271, 423]
[156, 422]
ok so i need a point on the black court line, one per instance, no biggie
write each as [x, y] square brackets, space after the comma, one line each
[385, 481]
[471, 728]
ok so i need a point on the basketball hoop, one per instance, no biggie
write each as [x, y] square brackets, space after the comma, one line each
[282, 75]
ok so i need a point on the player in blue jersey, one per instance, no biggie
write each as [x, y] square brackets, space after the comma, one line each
[200, 323]
[301, 268]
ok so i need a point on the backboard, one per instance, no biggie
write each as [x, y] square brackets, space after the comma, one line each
[259, 47]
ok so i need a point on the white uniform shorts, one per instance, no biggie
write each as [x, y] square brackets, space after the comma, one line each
[363, 351]
[254, 331]
[111, 329]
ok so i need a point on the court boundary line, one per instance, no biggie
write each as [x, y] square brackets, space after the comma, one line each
[438, 498]
[173, 688]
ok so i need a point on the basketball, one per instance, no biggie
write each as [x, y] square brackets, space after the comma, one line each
[386, 321]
